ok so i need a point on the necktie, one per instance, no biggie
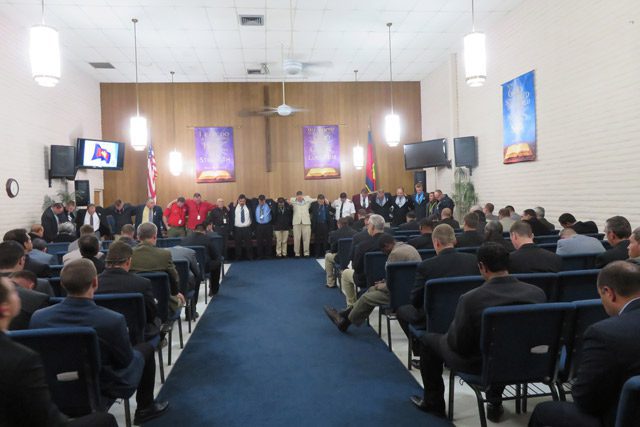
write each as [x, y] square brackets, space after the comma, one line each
[241, 215]
[91, 220]
[262, 213]
[150, 215]
[341, 208]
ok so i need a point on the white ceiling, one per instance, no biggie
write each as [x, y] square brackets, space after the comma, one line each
[202, 41]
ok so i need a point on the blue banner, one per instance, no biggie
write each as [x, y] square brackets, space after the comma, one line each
[519, 119]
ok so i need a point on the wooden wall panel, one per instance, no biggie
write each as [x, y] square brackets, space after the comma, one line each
[351, 105]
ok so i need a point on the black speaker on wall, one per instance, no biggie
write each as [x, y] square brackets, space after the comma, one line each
[63, 162]
[420, 176]
[466, 151]
[83, 197]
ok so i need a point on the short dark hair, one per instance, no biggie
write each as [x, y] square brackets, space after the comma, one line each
[621, 276]
[128, 228]
[489, 207]
[118, 254]
[481, 217]
[566, 218]
[530, 212]
[619, 226]
[25, 274]
[77, 275]
[386, 239]
[343, 194]
[17, 235]
[511, 208]
[197, 194]
[411, 214]
[504, 212]
[89, 245]
[298, 193]
[419, 185]
[427, 223]
[86, 229]
[40, 244]
[262, 197]
[344, 221]
[521, 228]
[362, 212]
[321, 196]
[471, 220]
[200, 227]
[181, 199]
[493, 256]
[10, 253]
[242, 196]
[493, 231]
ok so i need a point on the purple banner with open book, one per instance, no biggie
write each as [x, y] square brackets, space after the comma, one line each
[321, 152]
[215, 159]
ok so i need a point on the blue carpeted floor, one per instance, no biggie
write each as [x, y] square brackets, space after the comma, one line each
[265, 354]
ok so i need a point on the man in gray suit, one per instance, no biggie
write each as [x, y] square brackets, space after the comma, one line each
[572, 243]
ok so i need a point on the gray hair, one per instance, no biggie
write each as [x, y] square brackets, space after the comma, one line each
[636, 234]
[539, 211]
[567, 232]
[147, 230]
[377, 221]
[67, 228]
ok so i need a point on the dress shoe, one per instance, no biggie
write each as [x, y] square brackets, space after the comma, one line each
[494, 412]
[415, 363]
[330, 286]
[339, 319]
[437, 410]
[154, 410]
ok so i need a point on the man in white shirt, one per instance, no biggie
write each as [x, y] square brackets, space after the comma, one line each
[91, 217]
[344, 207]
[242, 228]
[301, 222]
[572, 243]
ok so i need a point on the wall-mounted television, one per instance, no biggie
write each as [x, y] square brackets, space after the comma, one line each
[426, 154]
[97, 154]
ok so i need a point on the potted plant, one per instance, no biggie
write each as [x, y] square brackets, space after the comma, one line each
[464, 193]
[63, 196]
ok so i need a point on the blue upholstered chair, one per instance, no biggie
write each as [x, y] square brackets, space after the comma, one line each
[578, 262]
[548, 282]
[182, 267]
[577, 285]
[374, 267]
[629, 404]
[342, 258]
[400, 277]
[131, 306]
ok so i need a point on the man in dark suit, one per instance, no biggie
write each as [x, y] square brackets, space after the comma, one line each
[470, 236]
[50, 221]
[528, 258]
[263, 214]
[321, 213]
[212, 257]
[26, 400]
[362, 201]
[459, 348]
[122, 366]
[444, 202]
[610, 352]
[20, 236]
[381, 204]
[343, 232]
[411, 224]
[241, 217]
[538, 228]
[282, 223]
[149, 212]
[446, 217]
[420, 202]
[446, 263]
[121, 213]
[617, 231]
[567, 220]
[423, 241]
[89, 247]
[12, 259]
[116, 279]
[94, 215]
[68, 213]
[218, 218]
[400, 205]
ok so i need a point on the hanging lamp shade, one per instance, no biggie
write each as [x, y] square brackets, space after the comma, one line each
[358, 157]
[139, 134]
[175, 163]
[44, 52]
[475, 59]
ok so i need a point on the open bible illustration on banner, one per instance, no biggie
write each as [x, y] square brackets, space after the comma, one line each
[321, 152]
[519, 119]
[215, 158]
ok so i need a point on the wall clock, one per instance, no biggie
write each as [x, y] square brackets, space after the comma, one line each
[13, 188]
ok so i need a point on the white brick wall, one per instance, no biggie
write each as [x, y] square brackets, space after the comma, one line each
[586, 54]
[33, 118]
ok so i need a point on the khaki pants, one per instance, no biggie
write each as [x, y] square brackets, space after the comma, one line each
[281, 242]
[329, 264]
[349, 287]
[176, 232]
[366, 303]
[304, 231]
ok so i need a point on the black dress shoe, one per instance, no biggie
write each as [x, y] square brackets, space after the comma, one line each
[415, 363]
[340, 320]
[437, 410]
[494, 412]
[154, 410]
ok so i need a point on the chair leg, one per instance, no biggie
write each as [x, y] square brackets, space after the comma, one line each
[483, 415]
[180, 333]
[169, 347]
[379, 322]
[525, 389]
[127, 413]
[452, 385]
[554, 392]
[561, 393]
[518, 398]
[389, 332]
[190, 311]
[160, 363]
[206, 291]
[410, 352]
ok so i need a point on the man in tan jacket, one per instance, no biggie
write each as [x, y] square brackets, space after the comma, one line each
[301, 222]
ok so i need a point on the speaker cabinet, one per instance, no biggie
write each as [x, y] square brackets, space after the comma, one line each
[83, 196]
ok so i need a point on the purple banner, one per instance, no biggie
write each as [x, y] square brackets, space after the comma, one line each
[214, 155]
[321, 152]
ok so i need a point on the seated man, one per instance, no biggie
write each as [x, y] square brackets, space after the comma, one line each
[212, 258]
[617, 231]
[181, 253]
[540, 213]
[26, 400]
[66, 233]
[89, 247]
[28, 280]
[470, 236]
[459, 348]
[11, 261]
[147, 258]
[504, 216]
[39, 252]
[634, 246]
[411, 224]
[567, 220]
[528, 258]
[127, 233]
[73, 252]
[22, 237]
[488, 212]
[610, 352]
[122, 366]
[539, 229]
[423, 241]
[446, 218]
[359, 224]
[116, 279]
[343, 232]
[377, 294]
[572, 243]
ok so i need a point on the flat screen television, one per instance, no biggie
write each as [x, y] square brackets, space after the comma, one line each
[426, 154]
[97, 154]
[465, 151]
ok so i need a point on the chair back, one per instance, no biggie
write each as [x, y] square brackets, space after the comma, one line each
[56, 269]
[400, 279]
[598, 236]
[71, 359]
[161, 291]
[577, 285]
[106, 244]
[60, 248]
[168, 242]
[58, 290]
[548, 282]
[218, 242]
[510, 356]
[344, 251]
[131, 306]
[549, 238]
[578, 262]
[374, 266]
[182, 267]
[406, 233]
[441, 299]
[550, 246]
[629, 403]
[427, 253]
[201, 256]
[468, 250]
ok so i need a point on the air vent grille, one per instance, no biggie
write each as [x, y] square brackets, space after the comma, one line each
[253, 71]
[252, 20]
[102, 65]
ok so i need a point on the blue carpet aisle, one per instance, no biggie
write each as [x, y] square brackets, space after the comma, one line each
[265, 354]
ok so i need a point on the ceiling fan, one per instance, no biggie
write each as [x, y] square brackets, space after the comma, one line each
[282, 110]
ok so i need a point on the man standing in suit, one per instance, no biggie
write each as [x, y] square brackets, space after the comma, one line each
[69, 213]
[50, 221]
[218, 218]
[263, 213]
[95, 219]
[344, 207]
[617, 230]
[26, 400]
[423, 241]
[400, 205]
[470, 236]
[459, 348]
[301, 223]
[381, 204]
[121, 213]
[572, 243]
[241, 218]
[122, 365]
[420, 202]
[212, 261]
[282, 217]
[321, 216]
[610, 352]
[116, 279]
[150, 213]
[20, 236]
[361, 201]
[343, 232]
[444, 202]
[528, 258]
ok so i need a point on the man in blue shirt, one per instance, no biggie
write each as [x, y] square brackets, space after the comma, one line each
[264, 229]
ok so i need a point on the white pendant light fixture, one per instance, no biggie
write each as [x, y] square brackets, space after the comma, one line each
[475, 54]
[139, 132]
[175, 157]
[44, 51]
[358, 150]
[392, 120]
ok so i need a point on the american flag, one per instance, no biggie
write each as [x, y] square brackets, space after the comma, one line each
[152, 173]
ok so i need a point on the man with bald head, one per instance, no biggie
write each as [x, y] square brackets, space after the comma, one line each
[572, 243]
[446, 217]
[149, 212]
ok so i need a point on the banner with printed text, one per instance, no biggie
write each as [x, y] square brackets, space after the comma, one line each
[321, 152]
[519, 119]
[215, 158]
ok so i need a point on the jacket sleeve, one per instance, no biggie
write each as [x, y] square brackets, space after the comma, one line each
[150, 304]
[173, 275]
[417, 293]
[119, 345]
[460, 336]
